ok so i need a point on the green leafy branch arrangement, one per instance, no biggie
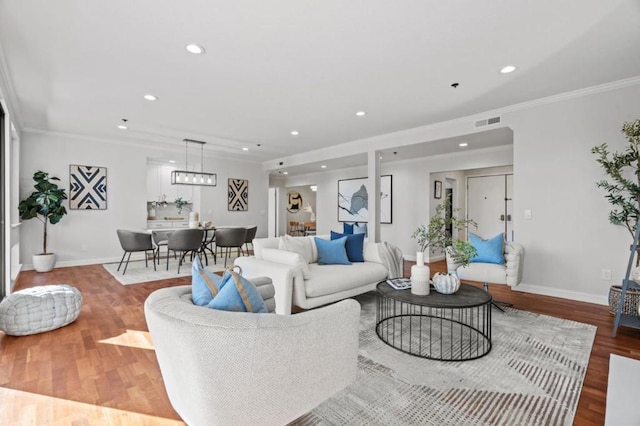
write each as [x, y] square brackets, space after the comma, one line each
[435, 234]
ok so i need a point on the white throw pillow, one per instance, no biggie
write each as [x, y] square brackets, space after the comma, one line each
[287, 258]
[300, 245]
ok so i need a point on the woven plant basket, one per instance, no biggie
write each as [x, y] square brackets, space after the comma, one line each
[631, 302]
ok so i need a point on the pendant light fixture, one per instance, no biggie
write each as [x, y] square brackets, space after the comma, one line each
[188, 177]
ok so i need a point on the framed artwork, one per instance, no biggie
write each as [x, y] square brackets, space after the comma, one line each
[294, 202]
[87, 187]
[353, 200]
[437, 189]
[238, 193]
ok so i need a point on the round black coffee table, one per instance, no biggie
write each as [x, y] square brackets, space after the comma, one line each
[445, 327]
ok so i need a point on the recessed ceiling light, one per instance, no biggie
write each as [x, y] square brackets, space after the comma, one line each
[323, 167]
[195, 49]
[295, 132]
[172, 161]
[285, 173]
[508, 69]
[245, 149]
[150, 97]
[361, 113]
[463, 144]
[122, 127]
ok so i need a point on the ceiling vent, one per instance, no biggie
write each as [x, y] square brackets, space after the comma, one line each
[488, 121]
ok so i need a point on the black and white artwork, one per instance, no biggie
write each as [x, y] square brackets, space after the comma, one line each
[238, 195]
[353, 200]
[87, 187]
[294, 202]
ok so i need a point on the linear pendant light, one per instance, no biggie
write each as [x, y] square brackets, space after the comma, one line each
[187, 177]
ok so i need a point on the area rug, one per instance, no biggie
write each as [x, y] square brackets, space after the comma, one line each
[138, 273]
[532, 376]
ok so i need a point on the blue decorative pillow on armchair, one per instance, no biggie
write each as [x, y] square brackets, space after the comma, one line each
[489, 251]
[238, 294]
[205, 285]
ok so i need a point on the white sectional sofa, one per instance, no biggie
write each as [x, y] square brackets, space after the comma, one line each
[299, 280]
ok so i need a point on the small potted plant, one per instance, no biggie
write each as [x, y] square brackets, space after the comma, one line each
[182, 204]
[44, 204]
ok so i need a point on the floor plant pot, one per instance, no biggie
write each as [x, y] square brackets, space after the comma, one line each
[44, 262]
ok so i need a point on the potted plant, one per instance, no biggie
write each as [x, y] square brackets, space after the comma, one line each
[181, 204]
[436, 236]
[622, 187]
[44, 204]
[459, 253]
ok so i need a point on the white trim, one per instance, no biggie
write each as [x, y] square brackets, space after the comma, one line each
[85, 262]
[563, 294]
[156, 142]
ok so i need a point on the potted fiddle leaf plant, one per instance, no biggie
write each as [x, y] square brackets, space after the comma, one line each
[44, 204]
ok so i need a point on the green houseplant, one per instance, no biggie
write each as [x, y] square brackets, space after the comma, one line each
[435, 234]
[44, 204]
[622, 187]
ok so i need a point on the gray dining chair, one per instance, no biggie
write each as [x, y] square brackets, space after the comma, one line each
[230, 238]
[207, 245]
[135, 241]
[185, 241]
[251, 234]
[160, 239]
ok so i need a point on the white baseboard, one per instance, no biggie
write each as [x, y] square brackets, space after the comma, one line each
[81, 262]
[563, 294]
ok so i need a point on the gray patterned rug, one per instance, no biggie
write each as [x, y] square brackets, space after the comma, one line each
[532, 376]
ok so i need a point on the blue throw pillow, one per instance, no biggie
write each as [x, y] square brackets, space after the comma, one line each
[238, 295]
[205, 285]
[332, 252]
[354, 245]
[489, 251]
[347, 228]
[360, 229]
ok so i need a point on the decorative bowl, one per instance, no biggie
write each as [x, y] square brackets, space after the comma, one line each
[446, 283]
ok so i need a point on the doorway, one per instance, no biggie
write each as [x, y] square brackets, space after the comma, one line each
[490, 204]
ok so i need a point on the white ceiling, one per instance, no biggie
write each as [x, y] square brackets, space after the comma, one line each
[79, 67]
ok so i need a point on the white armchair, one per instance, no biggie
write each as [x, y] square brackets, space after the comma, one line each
[228, 368]
[509, 273]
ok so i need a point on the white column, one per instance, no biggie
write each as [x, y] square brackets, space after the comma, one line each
[373, 169]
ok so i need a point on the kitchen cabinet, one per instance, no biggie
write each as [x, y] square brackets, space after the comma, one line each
[159, 183]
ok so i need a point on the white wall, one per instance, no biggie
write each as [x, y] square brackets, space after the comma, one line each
[412, 191]
[89, 236]
[569, 238]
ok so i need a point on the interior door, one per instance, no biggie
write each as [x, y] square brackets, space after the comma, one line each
[489, 201]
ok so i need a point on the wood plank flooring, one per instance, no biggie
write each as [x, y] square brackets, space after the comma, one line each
[102, 369]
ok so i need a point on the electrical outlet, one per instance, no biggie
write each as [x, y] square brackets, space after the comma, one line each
[605, 274]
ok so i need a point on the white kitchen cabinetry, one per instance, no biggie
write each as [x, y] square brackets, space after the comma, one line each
[167, 224]
[159, 183]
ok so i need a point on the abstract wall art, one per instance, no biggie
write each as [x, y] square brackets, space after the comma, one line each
[238, 195]
[87, 187]
[353, 200]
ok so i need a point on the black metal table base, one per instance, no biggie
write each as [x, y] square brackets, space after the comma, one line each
[439, 327]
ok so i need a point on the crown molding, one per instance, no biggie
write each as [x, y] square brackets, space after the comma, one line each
[463, 124]
[156, 144]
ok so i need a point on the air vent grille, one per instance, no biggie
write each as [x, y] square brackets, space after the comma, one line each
[488, 121]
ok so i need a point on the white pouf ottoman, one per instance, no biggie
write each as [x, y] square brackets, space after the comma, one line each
[39, 309]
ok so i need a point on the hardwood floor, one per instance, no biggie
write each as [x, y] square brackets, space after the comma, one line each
[102, 369]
